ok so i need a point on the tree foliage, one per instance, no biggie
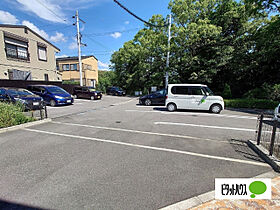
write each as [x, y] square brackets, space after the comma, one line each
[216, 42]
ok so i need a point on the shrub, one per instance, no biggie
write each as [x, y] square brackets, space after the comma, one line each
[275, 95]
[11, 114]
[251, 103]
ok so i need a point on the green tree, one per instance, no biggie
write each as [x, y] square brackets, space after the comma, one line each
[105, 79]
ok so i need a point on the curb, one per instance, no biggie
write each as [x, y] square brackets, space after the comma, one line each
[264, 154]
[209, 196]
[252, 111]
[25, 125]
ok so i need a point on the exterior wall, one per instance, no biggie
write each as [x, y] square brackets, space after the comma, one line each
[91, 74]
[88, 75]
[38, 68]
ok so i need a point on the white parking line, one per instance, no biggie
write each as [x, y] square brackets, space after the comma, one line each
[141, 132]
[205, 126]
[121, 103]
[151, 148]
[198, 114]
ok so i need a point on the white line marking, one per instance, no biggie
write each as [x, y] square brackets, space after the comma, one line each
[151, 148]
[141, 132]
[198, 114]
[205, 126]
[125, 102]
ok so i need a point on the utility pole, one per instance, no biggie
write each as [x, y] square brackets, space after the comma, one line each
[168, 52]
[79, 47]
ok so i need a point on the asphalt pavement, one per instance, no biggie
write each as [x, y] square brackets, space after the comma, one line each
[115, 154]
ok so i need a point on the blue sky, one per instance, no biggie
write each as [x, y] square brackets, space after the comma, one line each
[107, 26]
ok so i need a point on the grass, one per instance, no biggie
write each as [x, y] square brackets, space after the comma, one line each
[251, 103]
[11, 114]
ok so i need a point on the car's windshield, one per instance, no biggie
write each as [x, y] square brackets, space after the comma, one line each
[91, 90]
[209, 92]
[116, 88]
[19, 92]
[161, 92]
[56, 90]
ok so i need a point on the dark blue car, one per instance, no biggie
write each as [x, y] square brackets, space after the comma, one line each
[52, 95]
[29, 100]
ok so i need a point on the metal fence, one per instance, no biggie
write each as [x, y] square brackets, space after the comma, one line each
[268, 134]
[38, 114]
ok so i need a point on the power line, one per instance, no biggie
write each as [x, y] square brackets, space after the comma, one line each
[50, 10]
[56, 29]
[96, 42]
[112, 32]
[137, 17]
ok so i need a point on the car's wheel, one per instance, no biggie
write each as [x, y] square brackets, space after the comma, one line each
[52, 103]
[92, 98]
[171, 107]
[216, 108]
[75, 96]
[148, 102]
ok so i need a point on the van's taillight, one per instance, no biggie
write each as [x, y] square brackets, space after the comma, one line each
[166, 97]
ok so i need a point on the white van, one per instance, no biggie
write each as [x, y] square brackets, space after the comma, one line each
[277, 113]
[192, 96]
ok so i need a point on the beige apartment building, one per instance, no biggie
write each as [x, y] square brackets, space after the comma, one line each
[69, 67]
[25, 55]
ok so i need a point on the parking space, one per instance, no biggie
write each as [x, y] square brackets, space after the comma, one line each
[115, 154]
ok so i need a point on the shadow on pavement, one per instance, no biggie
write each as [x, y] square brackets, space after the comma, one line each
[251, 111]
[164, 109]
[5, 205]
[241, 147]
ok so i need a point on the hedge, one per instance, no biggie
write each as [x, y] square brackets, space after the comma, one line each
[251, 103]
[11, 114]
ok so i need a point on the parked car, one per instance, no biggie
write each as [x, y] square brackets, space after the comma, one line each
[277, 113]
[115, 91]
[29, 100]
[193, 96]
[86, 92]
[156, 98]
[52, 95]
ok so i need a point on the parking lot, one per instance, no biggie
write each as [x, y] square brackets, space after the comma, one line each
[115, 154]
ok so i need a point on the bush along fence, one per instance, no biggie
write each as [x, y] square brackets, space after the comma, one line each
[15, 114]
[268, 134]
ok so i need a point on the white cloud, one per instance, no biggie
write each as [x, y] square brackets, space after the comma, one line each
[59, 37]
[103, 65]
[55, 10]
[35, 28]
[116, 35]
[45, 9]
[61, 56]
[126, 22]
[73, 46]
[7, 18]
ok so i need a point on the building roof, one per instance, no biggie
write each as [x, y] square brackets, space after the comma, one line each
[25, 27]
[74, 58]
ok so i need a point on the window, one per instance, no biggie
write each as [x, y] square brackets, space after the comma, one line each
[180, 90]
[16, 48]
[196, 91]
[46, 77]
[42, 53]
[74, 67]
[65, 67]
